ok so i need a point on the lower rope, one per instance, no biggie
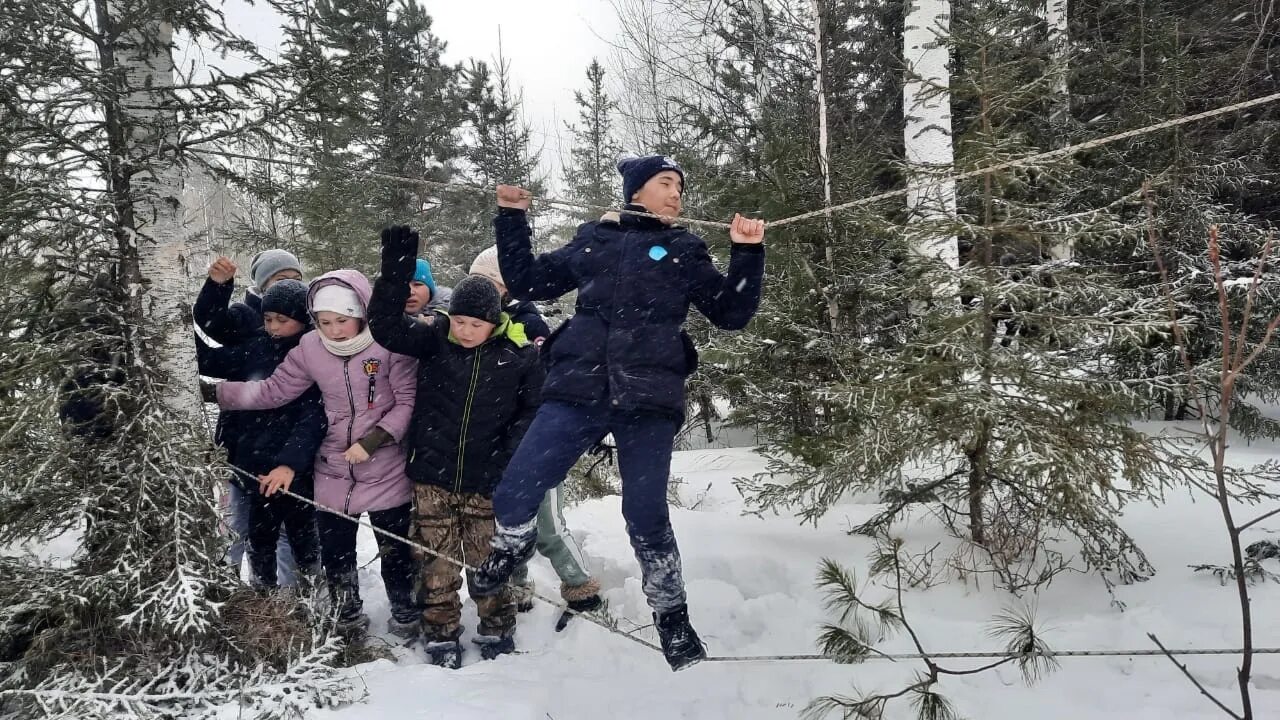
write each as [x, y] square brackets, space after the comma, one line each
[802, 657]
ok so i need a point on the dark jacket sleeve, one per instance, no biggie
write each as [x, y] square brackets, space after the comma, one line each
[528, 398]
[309, 428]
[729, 301]
[390, 326]
[224, 323]
[529, 277]
[535, 327]
[225, 363]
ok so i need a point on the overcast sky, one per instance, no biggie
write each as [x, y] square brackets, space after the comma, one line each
[549, 44]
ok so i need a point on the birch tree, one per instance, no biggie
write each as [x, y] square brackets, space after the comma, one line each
[930, 156]
[102, 446]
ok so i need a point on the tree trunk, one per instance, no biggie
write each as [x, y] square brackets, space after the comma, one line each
[824, 163]
[927, 106]
[1057, 33]
[156, 252]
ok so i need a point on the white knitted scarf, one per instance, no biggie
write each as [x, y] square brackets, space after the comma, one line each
[347, 348]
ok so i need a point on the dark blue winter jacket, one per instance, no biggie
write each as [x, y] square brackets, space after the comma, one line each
[635, 280]
[266, 439]
[527, 314]
[256, 441]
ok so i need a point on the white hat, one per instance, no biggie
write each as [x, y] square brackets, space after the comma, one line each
[486, 264]
[339, 299]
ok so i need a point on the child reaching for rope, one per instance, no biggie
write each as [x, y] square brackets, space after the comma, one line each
[479, 382]
[368, 398]
[619, 366]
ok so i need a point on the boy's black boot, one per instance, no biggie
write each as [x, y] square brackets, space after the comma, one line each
[491, 646]
[680, 644]
[445, 653]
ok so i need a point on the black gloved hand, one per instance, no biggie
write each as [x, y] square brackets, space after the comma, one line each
[399, 242]
[208, 391]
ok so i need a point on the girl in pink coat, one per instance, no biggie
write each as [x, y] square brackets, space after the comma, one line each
[368, 398]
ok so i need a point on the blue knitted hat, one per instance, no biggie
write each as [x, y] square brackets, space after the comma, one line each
[422, 274]
[637, 171]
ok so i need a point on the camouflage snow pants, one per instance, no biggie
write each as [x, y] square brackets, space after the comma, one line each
[459, 526]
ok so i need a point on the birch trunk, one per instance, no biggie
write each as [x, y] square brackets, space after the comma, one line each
[157, 253]
[824, 159]
[927, 104]
[1055, 21]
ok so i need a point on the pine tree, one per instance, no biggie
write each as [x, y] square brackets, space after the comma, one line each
[590, 175]
[498, 150]
[370, 95]
[101, 443]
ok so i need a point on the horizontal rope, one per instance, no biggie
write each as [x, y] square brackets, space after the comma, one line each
[692, 222]
[979, 655]
[821, 212]
[803, 657]
[1032, 159]
[451, 560]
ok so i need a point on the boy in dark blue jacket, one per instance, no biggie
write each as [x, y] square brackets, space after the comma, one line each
[230, 323]
[278, 446]
[619, 366]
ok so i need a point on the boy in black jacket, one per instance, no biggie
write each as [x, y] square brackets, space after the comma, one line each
[619, 366]
[278, 446]
[479, 383]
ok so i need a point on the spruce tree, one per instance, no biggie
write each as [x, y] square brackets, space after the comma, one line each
[101, 444]
[1139, 63]
[369, 95]
[590, 175]
[497, 150]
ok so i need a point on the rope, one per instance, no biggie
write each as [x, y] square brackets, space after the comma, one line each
[692, 222]
[452, 561]
[977, 655]
[1038, 157]
[770, 658]
[821, 212]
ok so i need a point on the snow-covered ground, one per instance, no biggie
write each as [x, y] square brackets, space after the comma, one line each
[751, 590]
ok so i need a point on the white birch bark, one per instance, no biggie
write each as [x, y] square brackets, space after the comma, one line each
[1055, 20]
[824, 155]
[927, 104]
[167, 254]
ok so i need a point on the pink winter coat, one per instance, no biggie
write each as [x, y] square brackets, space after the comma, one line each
[380, 482]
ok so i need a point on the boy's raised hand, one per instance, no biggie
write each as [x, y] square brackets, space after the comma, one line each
[222, 271]
[510, 196]
[399, 241]
[279, 479]
[746, 231]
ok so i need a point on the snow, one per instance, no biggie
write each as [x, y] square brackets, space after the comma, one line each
[751, 590]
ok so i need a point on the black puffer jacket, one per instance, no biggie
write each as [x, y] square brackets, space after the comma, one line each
[473, 405]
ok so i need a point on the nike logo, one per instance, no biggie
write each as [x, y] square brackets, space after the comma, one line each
[503, 362]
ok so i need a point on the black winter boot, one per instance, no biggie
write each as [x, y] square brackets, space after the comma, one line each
[588, 604]
[510, 548]
[491, 646]
[445, 653]
[680, 644]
